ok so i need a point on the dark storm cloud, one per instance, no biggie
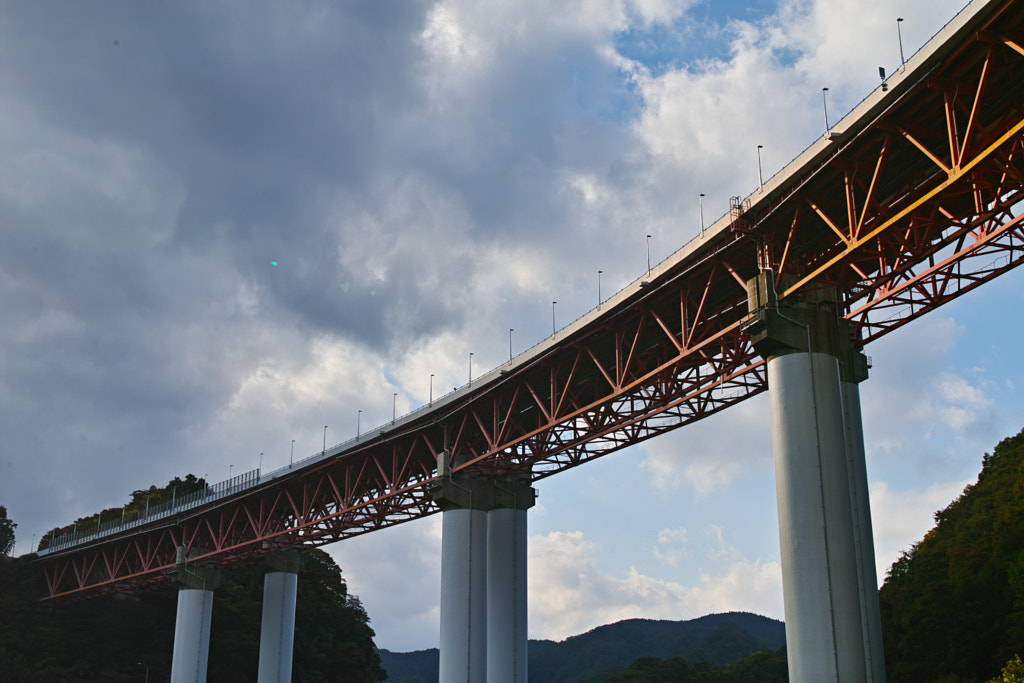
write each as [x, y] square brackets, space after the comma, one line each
[255, 109]
[158, 159]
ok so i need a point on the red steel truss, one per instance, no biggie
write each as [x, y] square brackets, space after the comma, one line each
[910, 206]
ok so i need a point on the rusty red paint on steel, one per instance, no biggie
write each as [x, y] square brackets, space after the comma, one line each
[900, 215]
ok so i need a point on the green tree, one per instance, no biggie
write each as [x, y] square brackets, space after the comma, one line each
[1013, 672]
[7, 528]
[142, 500]
[953, 605]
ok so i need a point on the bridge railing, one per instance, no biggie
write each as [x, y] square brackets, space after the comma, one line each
[130, 520]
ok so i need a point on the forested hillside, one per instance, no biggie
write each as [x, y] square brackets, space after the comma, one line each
[715, 640]
[116, 637]
[953, 605]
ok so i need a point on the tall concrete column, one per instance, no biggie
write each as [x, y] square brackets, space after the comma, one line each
[821, 547]
[192, 622]
[463, 647]
[277, 632]
[506, 583]
[863, 535]
[824, 641]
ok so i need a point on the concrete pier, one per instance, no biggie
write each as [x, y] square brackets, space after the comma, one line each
[506, 583]
[277, 631]
[867, 576]
[483, 579]
[824, 637]
[821, 485]
[463, 596]
[192, 622]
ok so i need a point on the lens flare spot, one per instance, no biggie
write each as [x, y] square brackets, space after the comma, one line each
[273, 263]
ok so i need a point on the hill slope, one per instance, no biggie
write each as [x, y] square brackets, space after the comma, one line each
[953, 605]
[597, 654]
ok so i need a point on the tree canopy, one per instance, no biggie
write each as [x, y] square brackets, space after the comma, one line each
[7, 528]
[141, 502]
[953, 605]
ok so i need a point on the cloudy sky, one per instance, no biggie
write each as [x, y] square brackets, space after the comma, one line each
[225, 224]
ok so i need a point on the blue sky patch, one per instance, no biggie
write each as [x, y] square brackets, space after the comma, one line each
[702, 34]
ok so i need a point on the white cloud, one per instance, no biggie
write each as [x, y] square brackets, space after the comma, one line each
[900, 518]
[671, 546]
[923, 413]
[570, 594]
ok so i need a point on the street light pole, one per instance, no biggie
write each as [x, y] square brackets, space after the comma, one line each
[147, 670]
[394, 407]
[899, 34]
[553, 317]
[824, 103]
[599, 288]
[760, 177]
[648, 254]
[431, 389]
[260, 468]
[291, 458]
[325, 441]
[359, 414]
[510, 331]
[470, 367]
[700, 205]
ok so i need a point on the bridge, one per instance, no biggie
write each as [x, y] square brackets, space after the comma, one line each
[907, 203]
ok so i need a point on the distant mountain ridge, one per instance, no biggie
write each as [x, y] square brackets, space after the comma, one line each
[606, 650]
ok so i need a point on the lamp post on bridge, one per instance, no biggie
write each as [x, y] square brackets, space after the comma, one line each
[510, 331]
[324, 452]
[394, 407]
[147, 670]
[291, 458]
[470, 367]
[648, 255]
[359, 415]
[760, 177]
[700, 206]
[431, 399]
[599, 288]
[553, 317]
[899, 34]
[824, 104]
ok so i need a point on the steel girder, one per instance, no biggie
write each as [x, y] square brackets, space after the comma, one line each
[673, 356]
[920, 204]
[912, 208]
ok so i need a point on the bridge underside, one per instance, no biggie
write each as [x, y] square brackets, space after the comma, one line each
[911, 205]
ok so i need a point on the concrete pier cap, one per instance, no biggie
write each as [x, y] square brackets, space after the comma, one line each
[809, 322]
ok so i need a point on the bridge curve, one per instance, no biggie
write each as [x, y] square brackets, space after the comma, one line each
[908, 202]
